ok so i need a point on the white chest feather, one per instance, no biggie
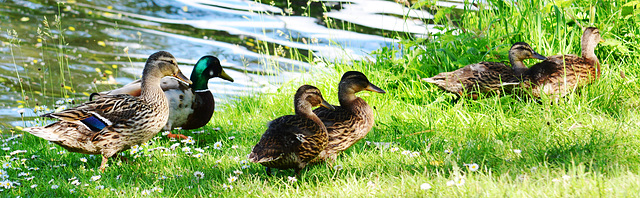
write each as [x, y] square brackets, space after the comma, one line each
[180, 107]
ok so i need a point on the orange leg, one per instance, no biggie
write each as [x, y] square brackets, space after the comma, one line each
[177, 136]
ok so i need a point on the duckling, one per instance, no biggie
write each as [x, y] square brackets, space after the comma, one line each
[561, 74]
[486, 77]
[291, 141]
[191, 107]
[350, 121]
[112, 124]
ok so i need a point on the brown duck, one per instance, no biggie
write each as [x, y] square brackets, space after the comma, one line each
[291, 141]
[486, 77]
[112, 124]
[350, 121]
[555, 77]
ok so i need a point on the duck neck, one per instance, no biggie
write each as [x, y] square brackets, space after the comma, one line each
[304, 109]
[151, 90]
[347, 97]
[588, 51]
[517, 65]
[199, 82]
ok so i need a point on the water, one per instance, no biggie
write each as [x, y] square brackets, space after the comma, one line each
[88, 46]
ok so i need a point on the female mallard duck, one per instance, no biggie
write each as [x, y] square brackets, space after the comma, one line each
[191, 107]
[560, 74]
[352, 120]
[486, 77]
[291, 141]
[112, 124]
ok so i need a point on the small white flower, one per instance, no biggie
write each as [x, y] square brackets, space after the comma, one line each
[406, 152]
[75, 182]
[34, 156]
[52, 148]
[119, 177]
[62, 152]
[232, 137]
[414, 154]
[555, 180]
[292, 179]
[22, 174]
[83, 159]
[394, 149]
[460, 182]
[146, 192]
[245, 166]
[54, 186]
[72, 190]
[174, 146]
[6, 148]
[6, 165]
[199, 155]
[217, 145]
[189, 141]
[186, 149]
[232, 179]
[198, 174]
[517, 151]
[237, 172]
[21, 111]
[59, 102]
[337, 167]
[6, 184]
[157, 189]
[162, 177]
[234, 146]
[225, 186]
[34, 186]
[566, 177]
[425, 186]
[199, 150]
[451, 183]
[96, 177]
[447, 151]
[473, 167]
[165, 133]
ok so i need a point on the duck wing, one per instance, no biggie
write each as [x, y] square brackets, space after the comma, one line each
[284, 135]
[102, 112]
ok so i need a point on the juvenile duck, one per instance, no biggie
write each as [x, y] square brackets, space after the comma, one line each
[291, 141]
[561, 74]
[112, 124]
[486, 77]
[350, 121]
[191, 107]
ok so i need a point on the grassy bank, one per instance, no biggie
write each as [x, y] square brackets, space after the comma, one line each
[588, 146]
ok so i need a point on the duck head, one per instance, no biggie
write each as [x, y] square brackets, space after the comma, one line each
[590, 39]
[307, 97]
[161, 64]
[206, 68]
[354, 81]
[521, 51]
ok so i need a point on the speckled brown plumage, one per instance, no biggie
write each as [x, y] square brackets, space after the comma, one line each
[486, 77]
[114, 123]
[352, 120]
[191, 106]
[291, 141]
[555, 77]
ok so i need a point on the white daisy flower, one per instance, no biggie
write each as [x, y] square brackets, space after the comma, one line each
[406, 152]
[6, 148]
[217, 145]
[100, 187]
[232, 179]
[75, 182]
[473, 167]
[414, 154]
[198, 174]
[517, 151]
[72, 190]
[225, 186]
[199, 150]
[232, 137]
[6, 165]
[95, 177]
[157, 189]
[165, 133]
[245, 166]
[292, 179]
[425, 186]
[237, 172]
[34, 186]
[83, 159]
[54, 186]
[337, 167]
[199, 155]
[174, 146]
[146, 192]
[189, 141]
[394, 149]
[447, 151]
[186, 149]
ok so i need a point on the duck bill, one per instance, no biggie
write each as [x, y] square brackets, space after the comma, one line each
[538, 56]
[374, 88]
[225, 76]
[327, 105]
[182, 78]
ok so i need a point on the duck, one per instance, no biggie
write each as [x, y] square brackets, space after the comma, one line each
[558, 75]
[349, 122]
[487, 77]
[191, 106]
[114, 123]
[292, 141]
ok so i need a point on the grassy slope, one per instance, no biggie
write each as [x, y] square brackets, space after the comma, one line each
[587, 146]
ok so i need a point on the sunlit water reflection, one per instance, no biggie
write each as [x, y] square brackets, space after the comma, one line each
[98, 45]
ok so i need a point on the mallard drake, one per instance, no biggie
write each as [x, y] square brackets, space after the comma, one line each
[291, 141]
[191, 107]
[112, 124]
[561, 74]
[486, 77]
[350, 121]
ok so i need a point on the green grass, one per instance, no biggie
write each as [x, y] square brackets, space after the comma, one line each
[587, 146]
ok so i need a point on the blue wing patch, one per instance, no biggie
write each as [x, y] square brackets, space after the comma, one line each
[94, 123]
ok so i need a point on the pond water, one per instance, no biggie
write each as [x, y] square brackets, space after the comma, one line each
[52, 51]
